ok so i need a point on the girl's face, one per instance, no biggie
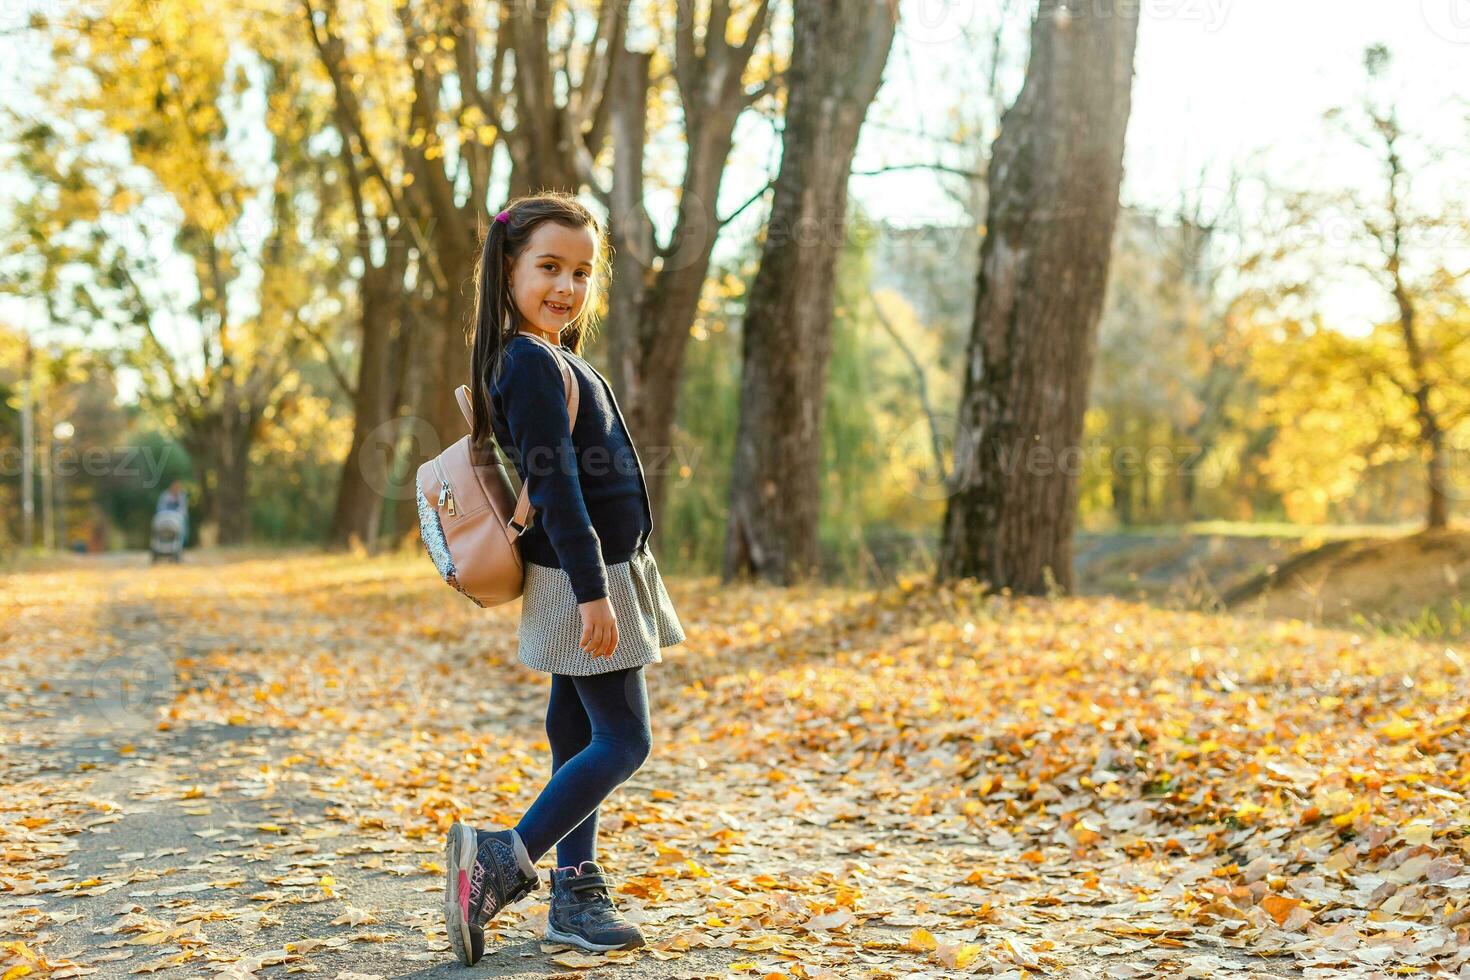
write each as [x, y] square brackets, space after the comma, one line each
[549, 279]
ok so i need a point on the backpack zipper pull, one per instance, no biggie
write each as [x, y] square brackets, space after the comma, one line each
[445, 494]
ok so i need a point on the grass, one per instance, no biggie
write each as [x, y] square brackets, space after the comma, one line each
[1262, 529]
[1436, 621]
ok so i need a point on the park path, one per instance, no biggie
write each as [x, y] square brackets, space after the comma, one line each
[206, 764]
[243, 768]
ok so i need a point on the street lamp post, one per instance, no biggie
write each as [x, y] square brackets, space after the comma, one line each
[28, 450]
[60, 434]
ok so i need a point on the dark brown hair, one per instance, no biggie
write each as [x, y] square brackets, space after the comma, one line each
[496, 318]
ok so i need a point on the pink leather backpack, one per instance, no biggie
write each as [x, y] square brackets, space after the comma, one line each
[471, 518]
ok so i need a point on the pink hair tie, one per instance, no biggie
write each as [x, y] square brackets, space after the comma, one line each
[503, 217]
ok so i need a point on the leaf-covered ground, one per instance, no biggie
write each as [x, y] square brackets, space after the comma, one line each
[246, 768]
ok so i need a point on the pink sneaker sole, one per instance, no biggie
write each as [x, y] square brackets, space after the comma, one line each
[459, 858]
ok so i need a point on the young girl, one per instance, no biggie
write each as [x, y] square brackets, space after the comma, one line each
[594, 611]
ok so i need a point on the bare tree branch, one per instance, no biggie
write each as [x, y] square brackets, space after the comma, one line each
[937, 167]
[748, 202]
[338, 373]
[686, 59]
[935, 439]
[768, 87]
[330, 51]
[753, 32]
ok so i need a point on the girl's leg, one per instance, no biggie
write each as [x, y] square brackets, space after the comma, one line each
[617, 705]
[569, 730]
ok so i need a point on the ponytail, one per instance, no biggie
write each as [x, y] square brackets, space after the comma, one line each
[495, 321]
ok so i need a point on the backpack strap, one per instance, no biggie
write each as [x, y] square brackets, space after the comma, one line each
[520, 522]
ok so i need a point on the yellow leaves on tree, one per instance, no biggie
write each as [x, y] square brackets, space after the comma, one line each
[1341, 405]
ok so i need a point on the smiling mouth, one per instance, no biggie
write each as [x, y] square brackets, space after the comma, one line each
[558, 308]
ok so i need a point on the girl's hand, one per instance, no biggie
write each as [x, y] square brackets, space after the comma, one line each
[599, 627]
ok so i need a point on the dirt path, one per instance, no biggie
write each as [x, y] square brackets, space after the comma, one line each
[183, 839]
[245, 769]
[207, 842]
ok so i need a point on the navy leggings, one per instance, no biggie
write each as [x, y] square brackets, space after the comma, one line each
[599, 733]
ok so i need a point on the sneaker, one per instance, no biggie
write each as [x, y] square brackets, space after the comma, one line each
[582, 913]
[481, 877]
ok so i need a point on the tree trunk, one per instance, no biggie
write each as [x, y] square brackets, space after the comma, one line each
[1402, 229]
[404, 357]
[232, 497]
[1055, 173]
[1189, 487]
[655, 290]
[837, 58]
[541, 145]
[1121, 476]
[631, 238]
[218, 444]
[199, 435]
[669, 309]
[437, 366]
[1431, 432]
[655, 293]
[232, 467]
[1123, 498]
[1438, 517]
[366, 469]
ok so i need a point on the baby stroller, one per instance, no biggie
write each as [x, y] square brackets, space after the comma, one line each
[167, 538]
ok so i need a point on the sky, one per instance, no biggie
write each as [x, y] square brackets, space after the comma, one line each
[1218, 84]
[1222, 84]
[1214, 81]
[1257, 74]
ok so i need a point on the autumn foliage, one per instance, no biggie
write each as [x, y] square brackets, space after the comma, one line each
[844, 783]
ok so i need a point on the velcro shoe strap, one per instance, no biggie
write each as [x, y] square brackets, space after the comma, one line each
[593, 880]
[526, 887]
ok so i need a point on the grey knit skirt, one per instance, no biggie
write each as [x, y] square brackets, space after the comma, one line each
[551, 623]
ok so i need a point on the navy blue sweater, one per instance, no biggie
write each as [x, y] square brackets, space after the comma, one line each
[587, 485]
